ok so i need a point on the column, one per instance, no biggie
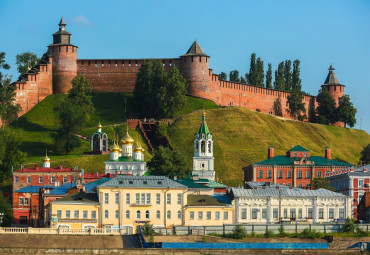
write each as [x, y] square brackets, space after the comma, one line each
[274, 173]
[294, 176]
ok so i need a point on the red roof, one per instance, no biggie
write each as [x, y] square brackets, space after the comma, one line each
[37, 169]
[95, 175]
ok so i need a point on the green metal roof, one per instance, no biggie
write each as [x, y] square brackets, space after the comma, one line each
[298, 148]
[318, 161]
[191, 184]
[196, 200]
[203, 129]
[214, 184]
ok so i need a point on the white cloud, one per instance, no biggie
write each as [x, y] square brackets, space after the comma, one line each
[81, 20]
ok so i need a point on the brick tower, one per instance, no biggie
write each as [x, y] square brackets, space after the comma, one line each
[194, 68]
[335, 89]
[64, 56]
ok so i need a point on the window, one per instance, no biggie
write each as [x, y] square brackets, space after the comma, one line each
[331, 213]
[26, 201]
[28, 179]
[93, 214]
[217, 215]
[300, 213]
[59, 214]
[21, 201]
[117, 214]
[318, 174]
[289, 174]
[142, 201]
[280, 174]
[300, 185]
[321, 213]
[127, 214]
[275, 213]
[138, 214]
[341, 213]
[53, 179]
[147, 214]
[200, 215]
[269, 174]
[137, 196]
[209, 215]
[305, 154]
[179, 215]
[40, 179]
[179, 199]
[191, 215]
[309, 213]
[285, 213]
[299, 174]
[84, 214]
[254, 214]
[158, 214]
[264, 213]
[65, 179]
[308, 174]
[158, 198]
[226, 215]
[292, 213]
[168, 214]
[148, 199]
[360, 183]
[294, 154]
[106, 198]
[77, 214]
[127, 198]
[168, 199]
[260, 174]
[106, 214]
[68, 214]
[116, 198]
[244, 213]
[15, 179]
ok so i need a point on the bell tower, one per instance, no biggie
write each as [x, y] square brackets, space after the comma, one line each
[203, 160]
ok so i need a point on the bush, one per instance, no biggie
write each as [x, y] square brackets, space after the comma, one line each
[204, 239]
[349, 226]
[311, 234]
[151, 239]
[268, 233]
[360, 232]
[148, 230]
[281, 231]
[253, 234]
[161, 130]
[239, 232]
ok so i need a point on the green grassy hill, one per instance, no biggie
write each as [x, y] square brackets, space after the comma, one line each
[241, 137]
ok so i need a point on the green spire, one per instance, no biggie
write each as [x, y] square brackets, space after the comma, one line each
[203, 129]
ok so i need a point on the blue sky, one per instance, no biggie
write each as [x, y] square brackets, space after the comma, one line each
[317, 33]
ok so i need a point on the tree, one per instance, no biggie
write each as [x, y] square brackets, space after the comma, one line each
[297, 108]
[269, 77]
[288, 75]
[260, 73]
[3, 65]
[365, 155]
[169, 163]
[6, 211]
[346, 112]
[157, 93]
[279, 82]
[222, 76]
[239, 232]
[25, 61]
[234, 76]
[252, 75]
[243, 80]
[326, 109]
[321, 183]
[80, 95]
[296, 80]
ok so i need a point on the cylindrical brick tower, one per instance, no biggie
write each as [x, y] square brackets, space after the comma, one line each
[195, 69]
[335, 89]
[64, 56]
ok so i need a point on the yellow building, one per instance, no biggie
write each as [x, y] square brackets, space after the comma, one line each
[130, 201]
[205, 210]
[77, 210]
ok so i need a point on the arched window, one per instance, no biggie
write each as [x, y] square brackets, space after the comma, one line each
[203, 146]
[105, 142]
[147, 214]
[127, 214]
[168, 214]
[196, 147]
[179, 215]
[96, 143]
[138, 214]
[158, 214]
[209, 147]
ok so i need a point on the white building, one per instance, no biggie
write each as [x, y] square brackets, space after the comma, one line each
[126, 160]
[203, 160]
[99, 141]
[267, 204]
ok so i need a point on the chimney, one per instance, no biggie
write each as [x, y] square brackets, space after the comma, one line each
[277, 187]
[270, 151]
[327, 152]
[175, 178]
[255, 187]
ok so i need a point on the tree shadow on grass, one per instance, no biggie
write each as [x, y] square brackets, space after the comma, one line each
[25, 124]
[35, 148]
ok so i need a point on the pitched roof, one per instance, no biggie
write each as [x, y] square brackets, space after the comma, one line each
[61, 190]
[130, 181]
[331, 79]
[32, 189]
[214, 184]
[298, 148]
[90, 186]
[203, 129]
[200, 200]
[191, 184]
[80, 197]
[266, 185]
[195, 50]
[294, 192]
[318, 161]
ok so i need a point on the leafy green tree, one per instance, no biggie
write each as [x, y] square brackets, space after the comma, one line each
[279, 82]
[234, 76]
[326, 109]
[365, 155]
[11, 156]
[296, 80]
[346, 112]
[288, 75]
[321, 183]
[80, 95]
[3, 65]
[222, 76]
[252, 75]
[25, 61]
[157, 93]
[161, 130]
[269, 76]
[297, 108]
[243, 80]
[168, 163]
[260, 73]
[6, 211]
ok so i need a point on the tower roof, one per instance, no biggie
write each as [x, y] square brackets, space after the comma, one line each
[203, 129]
[195, 50]
[331, 79]
[62, 23]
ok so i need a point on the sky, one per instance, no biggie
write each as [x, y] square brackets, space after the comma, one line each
[317, 33]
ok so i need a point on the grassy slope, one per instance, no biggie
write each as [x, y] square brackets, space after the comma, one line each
[241, 137]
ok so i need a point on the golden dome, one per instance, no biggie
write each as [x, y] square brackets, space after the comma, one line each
[100, 126]
[138, 148]
[46, 158]
[127, 139]
[115, 148]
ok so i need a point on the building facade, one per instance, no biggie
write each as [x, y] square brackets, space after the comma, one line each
[296, 169]
[352, 181]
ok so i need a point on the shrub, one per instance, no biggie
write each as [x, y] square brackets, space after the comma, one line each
[148, 230]
[204, 239]
[239, 232]
[151, 239]
[360, 232]
[281, 231]
[161, 130]
[349, 226]
[268, 233]
[253, 234]
[311, 234]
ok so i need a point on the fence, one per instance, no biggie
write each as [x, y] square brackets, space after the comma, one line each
[66, 231]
